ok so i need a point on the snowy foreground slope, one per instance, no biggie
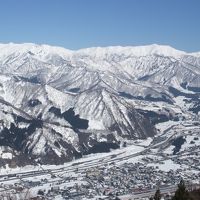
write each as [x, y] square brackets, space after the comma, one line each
[57, 104]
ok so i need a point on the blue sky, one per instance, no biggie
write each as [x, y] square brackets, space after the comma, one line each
[78, 24]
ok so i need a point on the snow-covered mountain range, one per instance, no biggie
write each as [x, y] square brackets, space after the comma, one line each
[57, 104]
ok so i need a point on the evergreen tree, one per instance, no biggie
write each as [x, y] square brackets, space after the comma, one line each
[181, 193]
[157, 195]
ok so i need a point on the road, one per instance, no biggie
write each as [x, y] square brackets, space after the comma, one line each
[149, 193]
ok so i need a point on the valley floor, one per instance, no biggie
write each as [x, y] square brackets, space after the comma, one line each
[140, 167]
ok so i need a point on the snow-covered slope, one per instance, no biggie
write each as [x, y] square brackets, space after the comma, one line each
[64, 103]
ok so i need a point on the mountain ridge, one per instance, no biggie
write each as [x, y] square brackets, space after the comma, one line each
[60, 104]
[151, 47]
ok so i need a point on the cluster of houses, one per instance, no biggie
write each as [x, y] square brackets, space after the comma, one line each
[111, 179]
[130, 178]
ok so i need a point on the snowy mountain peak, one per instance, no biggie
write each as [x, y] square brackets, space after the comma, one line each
[43, 50]
[133, 50]
[33, 49]
[59, 102]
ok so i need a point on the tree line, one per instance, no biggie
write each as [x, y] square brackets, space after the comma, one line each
[180, 194]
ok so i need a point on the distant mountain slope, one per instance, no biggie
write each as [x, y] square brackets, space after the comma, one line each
[57, 104]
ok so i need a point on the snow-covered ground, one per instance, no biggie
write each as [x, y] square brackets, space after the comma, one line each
[144, 153]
